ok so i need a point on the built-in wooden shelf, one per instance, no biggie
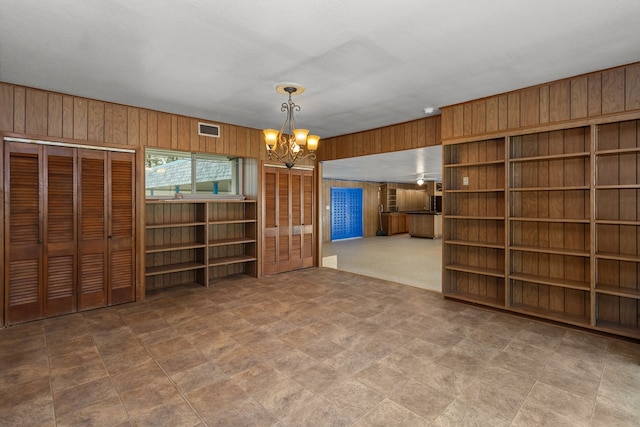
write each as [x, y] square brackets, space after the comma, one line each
[550, 157]
[618, 257]
[568, 188]
[173, 268]
[475, 270]
[618, 291]
[474, 243]
[557, 251]
[477, 190]
[176, 252]
[557, 220]
[551, 281]
[465, 165]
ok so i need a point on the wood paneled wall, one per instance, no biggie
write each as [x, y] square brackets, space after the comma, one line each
[419, 133]
[577, 99]
[44, 114]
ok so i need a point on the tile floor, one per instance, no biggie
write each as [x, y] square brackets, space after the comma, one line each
[416, 261]
[317, 347]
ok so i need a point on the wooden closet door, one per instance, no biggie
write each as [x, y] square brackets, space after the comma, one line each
[92, 229]
[284, 220]
[59, 233]
[23, 232]
[121, 228]
[308, 215]
[288, 235]
[297, 219]
[270, 221]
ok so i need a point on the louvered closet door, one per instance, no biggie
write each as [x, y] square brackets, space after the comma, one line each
[284, 220]
[59, 234]
[302, 203]
[92, 229]
[121, 227]
[308, 204]
[23, 232]
[270, 221]
[296, 220]
[288, 235]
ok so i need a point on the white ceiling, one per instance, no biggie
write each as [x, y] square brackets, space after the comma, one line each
[398, 166]
[365, 63]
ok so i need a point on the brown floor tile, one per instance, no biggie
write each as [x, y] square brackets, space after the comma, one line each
[382, 378]
[318, 377]
[352, 398]
[388, 413]
[292, 362]
[24, 366]
[461, 414]
[83, 396]
[422, 399]
[107, 412]
[28, 404]
[547, 398]
[317, 413]
[209, 402]
[498, 393]
[174, 413]
[197, 377]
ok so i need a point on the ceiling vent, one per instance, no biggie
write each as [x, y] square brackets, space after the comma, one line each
[208, 129]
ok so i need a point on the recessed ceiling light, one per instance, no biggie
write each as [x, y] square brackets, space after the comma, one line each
[429, 110]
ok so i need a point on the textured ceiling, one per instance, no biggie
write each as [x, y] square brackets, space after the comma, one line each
[365, 63]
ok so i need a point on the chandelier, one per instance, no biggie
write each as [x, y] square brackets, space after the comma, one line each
[288, 145]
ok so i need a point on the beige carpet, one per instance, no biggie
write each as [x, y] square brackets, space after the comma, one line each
[399, 258]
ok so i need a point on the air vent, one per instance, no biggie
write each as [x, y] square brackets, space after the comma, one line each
[207, 129]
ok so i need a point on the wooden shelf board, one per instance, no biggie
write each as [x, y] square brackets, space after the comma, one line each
[225, 242]
[551, 281]
[618, 292]
[618, 257]
[474, 243]
[475, 270]
[477, 190]
[565, 220]
[230, 260]
[551, 315]
[232, 221]
[618, 187]
[498, 218]
[616, 222]
[175, 225]
[616, 151]
[463, 165]
[479, 299]
[583, 154]
[174, 285]
[618, 329]
[568, 188]
[174, 247]
[174, 268]
[556, 251]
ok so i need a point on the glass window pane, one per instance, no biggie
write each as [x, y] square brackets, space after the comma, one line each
[215, 174]
[167, 172]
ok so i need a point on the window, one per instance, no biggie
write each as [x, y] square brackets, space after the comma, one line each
[169, 172]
